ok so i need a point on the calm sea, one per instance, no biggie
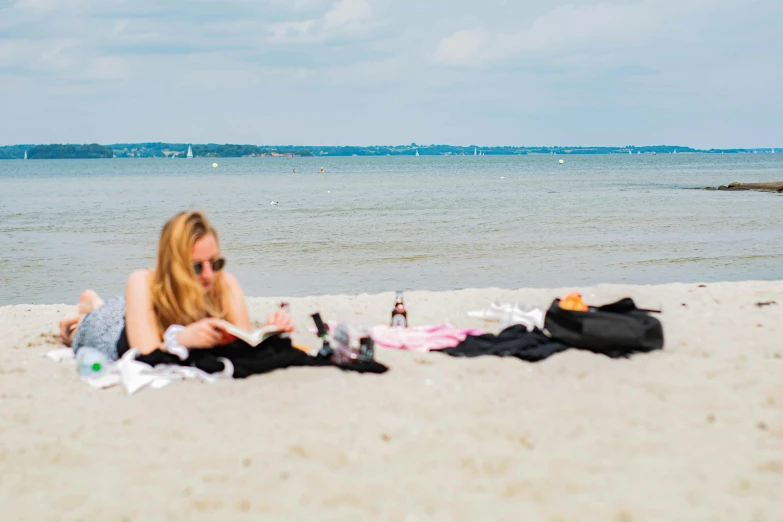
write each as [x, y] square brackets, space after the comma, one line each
[377, 224]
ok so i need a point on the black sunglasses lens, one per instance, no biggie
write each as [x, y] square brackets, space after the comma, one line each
[216, 265]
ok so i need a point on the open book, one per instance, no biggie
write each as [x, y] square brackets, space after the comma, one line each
[254, 338]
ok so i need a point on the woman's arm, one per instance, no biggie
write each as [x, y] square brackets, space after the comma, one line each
[140, 323]
[237, 312]
[142, 328]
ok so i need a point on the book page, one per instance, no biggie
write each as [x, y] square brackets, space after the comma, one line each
[253, 338]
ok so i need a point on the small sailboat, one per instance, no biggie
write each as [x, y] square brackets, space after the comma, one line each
[25, 154]
[417, 152]
[474, 151]
[773, 152]
[189, 155]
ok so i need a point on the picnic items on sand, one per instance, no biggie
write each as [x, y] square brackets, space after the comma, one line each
[346, 347]
[616, 330]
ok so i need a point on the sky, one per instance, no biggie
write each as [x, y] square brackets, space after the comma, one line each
[702, 73]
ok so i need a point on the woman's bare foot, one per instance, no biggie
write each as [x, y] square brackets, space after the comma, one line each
[88, 302]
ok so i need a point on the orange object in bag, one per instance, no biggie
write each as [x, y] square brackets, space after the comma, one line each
[573, 302]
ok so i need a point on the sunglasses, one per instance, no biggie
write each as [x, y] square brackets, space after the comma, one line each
[217, 265]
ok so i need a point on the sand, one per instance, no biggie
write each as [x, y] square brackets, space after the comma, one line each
[693, 432]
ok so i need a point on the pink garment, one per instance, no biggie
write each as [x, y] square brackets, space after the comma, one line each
[420, 338]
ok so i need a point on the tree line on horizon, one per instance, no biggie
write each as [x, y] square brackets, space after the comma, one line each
[213, 150]
[91, 151]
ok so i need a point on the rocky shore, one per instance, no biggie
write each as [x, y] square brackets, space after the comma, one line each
[771, 186]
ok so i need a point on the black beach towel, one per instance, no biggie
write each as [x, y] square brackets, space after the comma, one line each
[273, 354]
[514, 341]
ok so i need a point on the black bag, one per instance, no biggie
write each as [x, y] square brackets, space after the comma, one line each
[617, 329]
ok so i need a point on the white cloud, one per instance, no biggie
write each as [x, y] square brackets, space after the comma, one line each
[345, 13]
[565, 27]
[60, 58]
[344, 18]
[365, 68]
[52, 56]
[291, 31]
[464, 47]
[106, 68]
[37, 5]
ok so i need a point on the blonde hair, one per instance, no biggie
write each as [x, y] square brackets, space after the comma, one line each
[177, 295]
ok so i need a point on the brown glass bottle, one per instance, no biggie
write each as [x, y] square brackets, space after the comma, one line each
[399, 316]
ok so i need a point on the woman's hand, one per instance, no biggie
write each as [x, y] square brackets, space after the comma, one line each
[206, 333]
[282, 320]
[67, 324]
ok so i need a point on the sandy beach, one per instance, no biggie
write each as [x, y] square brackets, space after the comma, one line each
[693, 432]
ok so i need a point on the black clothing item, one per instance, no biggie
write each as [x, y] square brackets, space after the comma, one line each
[514, 341]
[274, 353]
[616, 330]
[122, 343]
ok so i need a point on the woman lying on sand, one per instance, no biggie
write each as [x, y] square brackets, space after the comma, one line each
[177, 305]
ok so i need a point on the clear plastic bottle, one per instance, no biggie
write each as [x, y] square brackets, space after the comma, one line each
[352, 345]
[286, 307]
[91, 362]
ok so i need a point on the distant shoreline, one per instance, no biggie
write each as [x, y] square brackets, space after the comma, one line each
[211, 150]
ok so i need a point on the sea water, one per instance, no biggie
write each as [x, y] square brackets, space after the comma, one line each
[393, 223]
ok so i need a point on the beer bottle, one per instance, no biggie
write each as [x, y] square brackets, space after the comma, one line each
[399, 316]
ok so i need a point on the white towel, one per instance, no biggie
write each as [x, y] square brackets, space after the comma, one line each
[134, 375]
[528, 316]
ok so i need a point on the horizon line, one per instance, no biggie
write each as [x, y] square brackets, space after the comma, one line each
[412, 144]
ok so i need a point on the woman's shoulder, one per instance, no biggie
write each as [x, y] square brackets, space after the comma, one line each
[141, 276]
[231, 280]
[137, 290]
